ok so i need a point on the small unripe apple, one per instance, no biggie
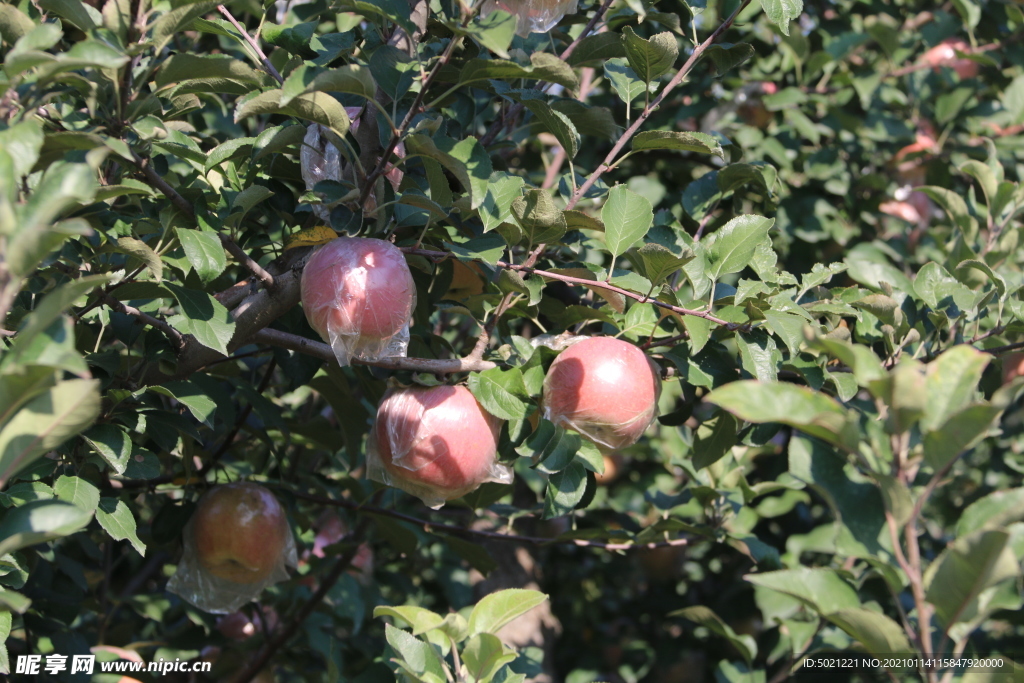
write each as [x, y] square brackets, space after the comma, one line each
[358, 294]
[604, 388]
[240, 532]
[437, 443]
[612, 469]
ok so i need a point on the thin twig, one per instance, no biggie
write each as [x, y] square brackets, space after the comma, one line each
[524, 268]
[432, 527]
[326, 353]
[286, 632]
[157, 181]
[175, 337]
[649, 109]
[514, 111]
[252, 43]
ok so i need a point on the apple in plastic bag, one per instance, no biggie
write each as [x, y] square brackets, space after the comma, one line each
[358, 294]
[436, 443]
[605, 389]
[240, 532]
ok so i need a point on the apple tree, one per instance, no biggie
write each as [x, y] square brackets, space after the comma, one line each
[803, 221]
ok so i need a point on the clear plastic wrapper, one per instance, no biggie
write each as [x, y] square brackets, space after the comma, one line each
[236, 544]
[436, 443]
[320, 160]
[605, 389]
[358, 294]
[535, 16]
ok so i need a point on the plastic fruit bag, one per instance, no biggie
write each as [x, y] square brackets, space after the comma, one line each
[358, 294]
[605, 389]
[236, 544]
[436, 443]
[535, 16]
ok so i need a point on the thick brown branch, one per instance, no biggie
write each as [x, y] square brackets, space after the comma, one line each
[650, 108]
[326, 353]
[252, 43]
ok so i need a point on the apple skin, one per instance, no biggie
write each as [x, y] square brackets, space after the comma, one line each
[535, 16]
[240, 532]
[944, 54]
[436, 443]
[604, 388]
[358, 292]
[1013, 366]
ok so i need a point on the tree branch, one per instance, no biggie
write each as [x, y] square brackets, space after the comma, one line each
[176, 338]
[252, 43]
[432, 527]
[326, 353]
[230, 245]
[286, 632]
[642, 118]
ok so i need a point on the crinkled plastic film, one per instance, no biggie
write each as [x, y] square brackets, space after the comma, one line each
[358, 294]
[535, 16]
[616, 378]
[210, 593]
[436, 443]
[319, 160]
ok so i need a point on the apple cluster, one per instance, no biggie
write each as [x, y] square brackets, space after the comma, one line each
[438, 443]
[236, 543]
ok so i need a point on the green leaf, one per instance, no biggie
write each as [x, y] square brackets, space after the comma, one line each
[699, 614]
[204, 251]
[972, 564]
[419, 619]
[713, 439]
[14, 24]
[959, 432]
[997, 509]
[112, 444]
[597, 48]
[627, 216]
[759, 355]
[466, 160]
[114, 516]
[879, 634]
[780, 12]
[417, 657]
[941, 291]
[797, 406]
[501, 392]
[175, 21]
[484, 655]
[541, 221]
[496, 207]
[789, 328]
[732, 246]
[77, 491]
[352, 79]
[543, 67]
[39, 521]
[192, 397]
[494, 31]
[557, 123]
[565, 490]
[393, 70]
[317, 107]
[203, 317]
[823, 590]
[727, 56]
[207, 73]
[677, 140]
[22, 141]
[47, 421]
[497, 609]
[956, 207]
[652, 57]
[144, 253]
[952, 383]
[75, 12]
[866, 366]
[625, 82]
[658, 263]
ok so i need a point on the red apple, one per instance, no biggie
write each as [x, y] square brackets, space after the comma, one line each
[437, 443]
[604, 388]
[240, 532]
[944, 54]
[1013, 366]
[358, 294]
